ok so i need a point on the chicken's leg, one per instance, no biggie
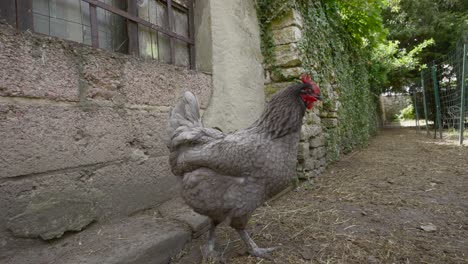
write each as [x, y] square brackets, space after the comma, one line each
[211, 238]
[208, 251]
[254, 250]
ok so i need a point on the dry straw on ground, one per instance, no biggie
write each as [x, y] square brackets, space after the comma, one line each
[371, 207]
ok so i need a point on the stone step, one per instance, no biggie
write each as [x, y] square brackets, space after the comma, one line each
[139, 239]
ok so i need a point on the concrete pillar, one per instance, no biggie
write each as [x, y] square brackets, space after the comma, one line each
[238, 96]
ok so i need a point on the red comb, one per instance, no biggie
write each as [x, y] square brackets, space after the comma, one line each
[306, 78]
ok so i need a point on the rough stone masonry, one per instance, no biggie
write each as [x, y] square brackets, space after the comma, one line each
[287, 33]
[82, 133]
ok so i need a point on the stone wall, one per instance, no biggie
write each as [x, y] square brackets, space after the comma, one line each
[82, 133]
[392, 105]
[310, 36]
[287, 33]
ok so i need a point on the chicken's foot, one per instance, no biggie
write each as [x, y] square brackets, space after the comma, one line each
[253, 249]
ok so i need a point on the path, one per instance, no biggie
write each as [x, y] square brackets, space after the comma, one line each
[371, 207]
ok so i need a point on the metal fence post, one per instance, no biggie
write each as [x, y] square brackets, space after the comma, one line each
[424, 101]
[463, 95]
[437, 101]
[416, 110]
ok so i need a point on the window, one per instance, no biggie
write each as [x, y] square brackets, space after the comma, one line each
[157, 45]
[157, 29]
[70, 19]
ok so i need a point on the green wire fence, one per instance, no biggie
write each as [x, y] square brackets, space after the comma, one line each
[441, 100]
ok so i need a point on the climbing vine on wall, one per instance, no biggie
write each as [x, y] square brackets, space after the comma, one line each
[267, 12]
[336, 60]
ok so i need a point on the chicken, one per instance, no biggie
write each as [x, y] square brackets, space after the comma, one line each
[227, 176]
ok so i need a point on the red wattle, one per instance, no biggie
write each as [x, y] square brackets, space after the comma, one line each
[308, 100]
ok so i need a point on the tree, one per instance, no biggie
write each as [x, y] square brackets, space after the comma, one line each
[392, 62]
[412, 24]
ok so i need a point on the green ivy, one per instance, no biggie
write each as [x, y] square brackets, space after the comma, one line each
[267, 12]
[335, 59]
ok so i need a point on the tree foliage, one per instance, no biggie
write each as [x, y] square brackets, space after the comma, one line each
[397, 37]
[391, 65]
[362, 19]
[413, 24]
[414, 21]
[402, 35]
[389, 62]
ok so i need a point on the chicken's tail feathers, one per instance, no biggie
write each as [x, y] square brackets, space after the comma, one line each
[183, 116]
[185, 125]
[186, 112]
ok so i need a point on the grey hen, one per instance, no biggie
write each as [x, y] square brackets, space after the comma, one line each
[227, 176]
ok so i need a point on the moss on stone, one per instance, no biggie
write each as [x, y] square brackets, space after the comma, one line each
[340, 67]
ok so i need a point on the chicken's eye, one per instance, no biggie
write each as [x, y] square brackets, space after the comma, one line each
[307, 91]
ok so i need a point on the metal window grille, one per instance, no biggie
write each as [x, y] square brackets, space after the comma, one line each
[158, 29]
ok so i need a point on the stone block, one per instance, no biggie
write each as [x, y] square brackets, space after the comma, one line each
[11, 200]
[291, 18]
[310, 164]
[147, 82]
[47, 138]
[322, 162]
[142, 239]
[287, 55]
[148, 129]
[16, 195]
[330, 122]
[312, 118]
[303, 150]
[36, 67]
[147, 241]
[44, 67]
[308, 131]
[130, 187]
[318, 152]
[40, 138]
[117, 189]
[121, 79]
[103, 74]
[312, 174]
[317, 141]
[300, 166]
[50, 215]
[287, 74]
[266, 75]
[301, 175]
[322, 169]
[287, 35]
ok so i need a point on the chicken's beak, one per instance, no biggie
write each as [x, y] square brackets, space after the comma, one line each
[318, 97]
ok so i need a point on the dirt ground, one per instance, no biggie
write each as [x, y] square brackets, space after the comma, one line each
[404, 199]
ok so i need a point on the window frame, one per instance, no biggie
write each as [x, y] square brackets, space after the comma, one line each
[23, 20]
